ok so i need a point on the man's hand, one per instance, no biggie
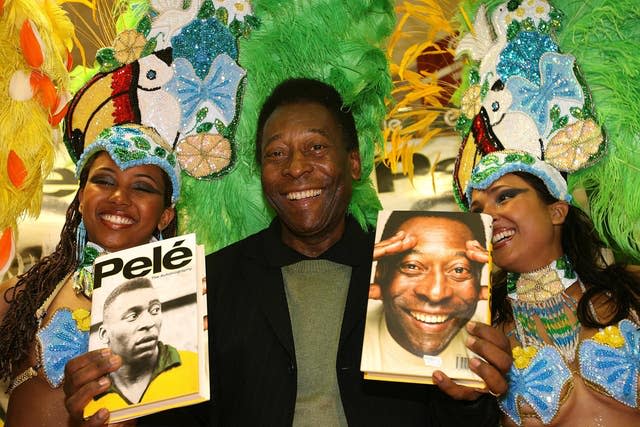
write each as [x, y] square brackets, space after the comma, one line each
[491, 344]
[85, 377]
[397, 243]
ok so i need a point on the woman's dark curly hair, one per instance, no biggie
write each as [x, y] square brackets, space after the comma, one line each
[583, 247]
[19, 326]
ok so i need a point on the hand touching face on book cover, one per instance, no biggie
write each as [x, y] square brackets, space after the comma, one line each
[429, 287]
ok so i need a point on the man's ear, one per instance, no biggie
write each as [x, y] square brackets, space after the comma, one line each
[375, 291]
[102, 334]
[355, 164]
[558, 211]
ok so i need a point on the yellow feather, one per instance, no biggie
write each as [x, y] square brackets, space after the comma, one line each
[415, 107]
[24, 125]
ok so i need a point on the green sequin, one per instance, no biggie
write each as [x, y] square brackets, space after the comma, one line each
[141, 143]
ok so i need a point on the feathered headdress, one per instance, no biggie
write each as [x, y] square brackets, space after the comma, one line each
[425, 76]
[198, 73]
[553, 84]
[35, 44]
[330, 40]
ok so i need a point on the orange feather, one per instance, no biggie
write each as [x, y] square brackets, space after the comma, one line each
[6, 249]
[15, 169]
[44, 89]
[31, 44]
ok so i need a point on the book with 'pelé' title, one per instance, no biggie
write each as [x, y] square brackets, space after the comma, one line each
[149, 306]
[430, 276]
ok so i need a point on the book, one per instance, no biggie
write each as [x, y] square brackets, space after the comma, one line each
[149, 307]
[425, 287]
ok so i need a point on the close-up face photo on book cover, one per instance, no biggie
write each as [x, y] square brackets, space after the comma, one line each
[423, 294]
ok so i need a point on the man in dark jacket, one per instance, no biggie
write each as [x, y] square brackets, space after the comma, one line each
[287, 305]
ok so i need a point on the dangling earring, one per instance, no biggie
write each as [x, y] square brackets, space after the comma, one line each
[81, 241]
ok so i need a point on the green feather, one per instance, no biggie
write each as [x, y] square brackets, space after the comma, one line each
[604, 36]
[332, 40]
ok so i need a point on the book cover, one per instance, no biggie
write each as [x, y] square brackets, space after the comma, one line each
[426, 284]
[149, 307]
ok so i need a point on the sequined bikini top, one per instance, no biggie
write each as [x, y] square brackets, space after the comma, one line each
[548, 329]
[609, 361]
[64, 336]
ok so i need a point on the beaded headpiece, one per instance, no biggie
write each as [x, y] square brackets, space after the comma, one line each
[175, 70]
[524, 94]
[499, 163]
[134, 145]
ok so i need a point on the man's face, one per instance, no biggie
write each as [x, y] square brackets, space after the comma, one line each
[131, 325]
[307, 172]
[433, 290]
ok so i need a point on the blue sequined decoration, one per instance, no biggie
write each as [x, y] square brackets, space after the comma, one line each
[60, 341]
[201, 41]
[614, 369]
[540, 385]
[557, 81]
[220, 87]
[522, 55]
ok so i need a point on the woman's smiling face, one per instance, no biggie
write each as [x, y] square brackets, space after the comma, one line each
[527, 232]
[122, 209]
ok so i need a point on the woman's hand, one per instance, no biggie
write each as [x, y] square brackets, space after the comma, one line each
[492, 345]
[87, 376]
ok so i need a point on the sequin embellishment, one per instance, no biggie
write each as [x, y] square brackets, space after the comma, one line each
[539, 384]
[557, 80]
[614, 369]
[201, 41]
[218, 89]
[520, 57]
[60, 341]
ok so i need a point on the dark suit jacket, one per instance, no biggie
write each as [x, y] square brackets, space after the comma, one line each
[253, 363]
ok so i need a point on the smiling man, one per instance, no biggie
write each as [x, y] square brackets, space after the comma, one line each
[423, 296]
[288, 304]
[132, 318]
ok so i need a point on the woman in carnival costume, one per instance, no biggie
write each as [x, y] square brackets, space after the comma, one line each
[529, 120]
[129, 184]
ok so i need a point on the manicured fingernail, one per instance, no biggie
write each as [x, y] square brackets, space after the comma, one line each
[474, 363]
[437, 377]
[471, 325]
[103, 382]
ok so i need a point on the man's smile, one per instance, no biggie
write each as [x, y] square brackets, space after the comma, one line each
[298, 195]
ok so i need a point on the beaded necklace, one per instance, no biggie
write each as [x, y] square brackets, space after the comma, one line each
[83, 277]
[538, 298]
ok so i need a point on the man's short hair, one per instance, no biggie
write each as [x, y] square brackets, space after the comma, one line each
[397, 218]
[295, 91]
[128, 286]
